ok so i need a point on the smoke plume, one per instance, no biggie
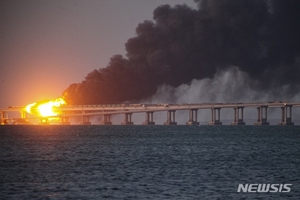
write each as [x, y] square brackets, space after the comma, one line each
[182, 46]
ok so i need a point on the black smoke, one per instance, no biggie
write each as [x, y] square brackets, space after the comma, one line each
[180, 44]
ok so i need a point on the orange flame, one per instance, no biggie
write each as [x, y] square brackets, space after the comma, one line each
[45, 108]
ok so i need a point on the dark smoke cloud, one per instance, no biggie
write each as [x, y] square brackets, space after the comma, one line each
[261, 38]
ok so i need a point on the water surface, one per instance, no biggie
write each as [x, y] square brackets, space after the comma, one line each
[147, 162]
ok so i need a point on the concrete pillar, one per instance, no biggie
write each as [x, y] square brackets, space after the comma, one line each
[242, 114]
[193, 117]
[290, 115]
[2, 118]
[284, 113]
[266, 112]
[85, 120]
[214, 120]
[259, 114]
[105, 120]
[127, 119]
[2, 115]
[149, 118]
[173, 116]
[23, 114]
[262, 116]
[286, 118]
[170, 118]
[64, 121]
[238, 116]
[235, 116]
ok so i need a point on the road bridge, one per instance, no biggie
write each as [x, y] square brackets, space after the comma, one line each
[106, 110]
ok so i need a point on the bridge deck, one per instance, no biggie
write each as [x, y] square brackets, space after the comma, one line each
[86, 111]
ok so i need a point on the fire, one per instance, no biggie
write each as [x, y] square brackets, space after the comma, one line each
[45, 108]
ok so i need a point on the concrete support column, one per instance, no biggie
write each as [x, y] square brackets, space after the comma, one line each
[85, 120]
[282, 114]
[149, 118]
[238, 116]
[170, 118]
[64, 121]
[266, 112]
[259, 111]
[290, 118]
[286, 117]
[2, 115]
[242, 114]
[127, 119]
[193, 117]
[106, 120]
[262, 116]
[173, 116]
[23, 114]
[3, 119]
[214, 115]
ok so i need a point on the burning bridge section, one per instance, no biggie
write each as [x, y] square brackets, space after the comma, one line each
[44, 111]
[58, 112]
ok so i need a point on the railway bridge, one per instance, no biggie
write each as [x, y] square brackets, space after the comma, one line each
[107, 110]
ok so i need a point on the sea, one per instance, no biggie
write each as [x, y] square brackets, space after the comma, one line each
[148, 162]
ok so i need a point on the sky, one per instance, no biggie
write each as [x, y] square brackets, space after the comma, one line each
[47, 45]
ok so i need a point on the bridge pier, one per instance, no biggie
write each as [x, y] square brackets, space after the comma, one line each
[85, 120]
[238, 119]
[286, 118]
[193, 117]
[64, 121]
[149, 119]
[127, 119]
[106, 120]
[170, 118]
[262, 116]
[215, 118]
[24, 114]
[2, 118]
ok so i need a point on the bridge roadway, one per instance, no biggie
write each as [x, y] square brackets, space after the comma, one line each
[106, 110]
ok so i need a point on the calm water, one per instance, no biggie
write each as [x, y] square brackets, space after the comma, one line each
[147, 162]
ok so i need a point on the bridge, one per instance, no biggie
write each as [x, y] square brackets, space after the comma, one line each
[107, 110]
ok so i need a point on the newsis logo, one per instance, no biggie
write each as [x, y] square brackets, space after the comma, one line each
[264, 188]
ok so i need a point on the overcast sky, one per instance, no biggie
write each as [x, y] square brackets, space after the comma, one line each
[47, 45]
